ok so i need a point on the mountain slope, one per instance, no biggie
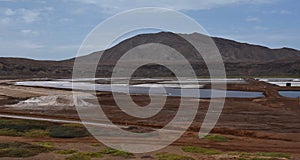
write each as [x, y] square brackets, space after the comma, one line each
[240, 59]
[233, 51]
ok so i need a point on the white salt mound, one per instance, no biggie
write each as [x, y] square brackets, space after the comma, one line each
[57, 100]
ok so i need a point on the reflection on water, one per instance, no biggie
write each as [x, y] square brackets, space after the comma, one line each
[187, 90]
[291, 94]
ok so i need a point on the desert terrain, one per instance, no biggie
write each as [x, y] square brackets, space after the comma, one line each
[249, 128]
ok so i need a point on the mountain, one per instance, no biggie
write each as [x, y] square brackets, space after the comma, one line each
[28, 68]
[241, 59]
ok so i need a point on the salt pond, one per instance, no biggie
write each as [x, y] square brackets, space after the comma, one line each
[168, 89]
[291, 94]
[292, 82]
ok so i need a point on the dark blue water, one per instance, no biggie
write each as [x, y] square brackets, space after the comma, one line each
[291, 94]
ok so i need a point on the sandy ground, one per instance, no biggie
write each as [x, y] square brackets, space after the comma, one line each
[269, 124]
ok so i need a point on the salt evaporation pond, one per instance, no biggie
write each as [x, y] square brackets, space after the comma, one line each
[291, 94]
[171, 89]
[283, 82]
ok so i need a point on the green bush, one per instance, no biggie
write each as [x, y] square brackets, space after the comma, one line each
[217, 138]
[36, 133]
[9, 132]
[273, 154]
[22, 125]
[66, 151]
[18, 149]
[95, 154]
[96, 145]
[78, 156]
[166, 156]
[67, 132]
[31, 128]
[115, 152]
[48, 145]
[194, 149]
[260, 155]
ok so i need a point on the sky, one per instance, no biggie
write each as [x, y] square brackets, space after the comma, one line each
[54, 30]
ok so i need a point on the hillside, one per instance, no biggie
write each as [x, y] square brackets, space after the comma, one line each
[240, 59]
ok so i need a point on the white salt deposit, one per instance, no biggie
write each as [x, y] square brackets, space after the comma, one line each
[55, 101]
[293, 82]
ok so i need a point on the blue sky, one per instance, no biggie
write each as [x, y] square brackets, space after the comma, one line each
[55, 29]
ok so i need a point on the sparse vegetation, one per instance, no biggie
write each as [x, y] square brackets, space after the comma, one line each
[194, 149]
[260, 158]
[273, 154]
[18, 149]
[217, 138]
[260, 155]
[66, 152]
[38, 129]
[95, 154]
[36, 133]
[115, 152]
[22, 125]
[9, 132]
[72, 125]
[167, 156]
[67, 132]
[48, 145]
[96, 145]
[78, 156]
[239, 154]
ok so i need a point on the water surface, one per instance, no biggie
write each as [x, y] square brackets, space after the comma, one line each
[192, 91]
[291, 94]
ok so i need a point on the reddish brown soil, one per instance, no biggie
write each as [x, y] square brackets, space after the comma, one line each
[270, 124]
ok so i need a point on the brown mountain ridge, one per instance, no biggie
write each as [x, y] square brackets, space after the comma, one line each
[240, 59]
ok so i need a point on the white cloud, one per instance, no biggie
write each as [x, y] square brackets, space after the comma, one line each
[24, 14]
[28, 32]
[119, 5]
[261, 28]
[22, 48]
[252, 19]
[29, 16]
[79, 11]
[48, 9]
[280, 12]
[29, 45]
[5, 21]
[65, 48]
[9, 12]
[65, 20]
[274, 40]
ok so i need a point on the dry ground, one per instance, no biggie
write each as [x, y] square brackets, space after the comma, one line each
[269, 124]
